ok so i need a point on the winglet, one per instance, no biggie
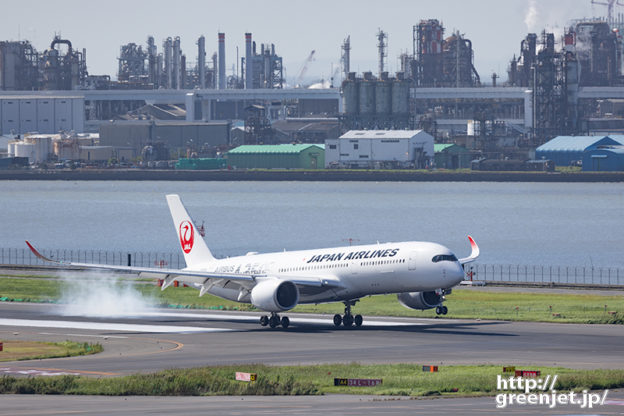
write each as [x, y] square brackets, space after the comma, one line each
[473, 254]
[39, 255]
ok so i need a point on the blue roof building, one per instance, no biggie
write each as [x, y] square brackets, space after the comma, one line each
[566, 150]
[604, 159]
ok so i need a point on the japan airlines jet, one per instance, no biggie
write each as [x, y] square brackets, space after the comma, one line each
[420, 273]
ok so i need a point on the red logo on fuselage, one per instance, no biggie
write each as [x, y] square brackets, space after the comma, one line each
[187, 236]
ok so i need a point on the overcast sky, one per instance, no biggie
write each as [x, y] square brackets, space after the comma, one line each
[296, 27]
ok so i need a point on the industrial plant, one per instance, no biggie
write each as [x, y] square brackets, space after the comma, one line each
[569, 85]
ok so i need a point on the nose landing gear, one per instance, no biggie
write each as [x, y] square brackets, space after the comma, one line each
[348, 319]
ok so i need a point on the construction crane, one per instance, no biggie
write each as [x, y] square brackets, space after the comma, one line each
[304, 69]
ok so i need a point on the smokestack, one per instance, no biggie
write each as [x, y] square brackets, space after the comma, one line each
[177, 52]
[168, 46]
[201, 61]
[346, 56]
[221, 61]
[248, 62]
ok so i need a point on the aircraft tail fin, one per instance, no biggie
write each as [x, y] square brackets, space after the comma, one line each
[194, 248]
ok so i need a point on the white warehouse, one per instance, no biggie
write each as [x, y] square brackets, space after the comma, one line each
[44, 114]
[380, 149]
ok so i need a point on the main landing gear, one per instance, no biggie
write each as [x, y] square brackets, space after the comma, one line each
[348, 320]
[274, 320]
[441, 310]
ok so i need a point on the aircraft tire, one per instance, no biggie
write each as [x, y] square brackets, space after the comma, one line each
[347, 320]
[358, 320]
[337, 320]
[285, 322]
[438, 310]
[274, 321]
[444, 310]
[264, 320]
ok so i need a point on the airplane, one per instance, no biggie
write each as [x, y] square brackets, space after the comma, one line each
[420, 273]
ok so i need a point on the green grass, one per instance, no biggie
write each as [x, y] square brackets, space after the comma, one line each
[398, 380]
[581, 307]
[515, 306]
[31, 350]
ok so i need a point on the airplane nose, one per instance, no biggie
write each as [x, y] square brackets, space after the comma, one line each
[458, 273]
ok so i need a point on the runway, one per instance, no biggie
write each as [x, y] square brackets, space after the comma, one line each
[166, 338]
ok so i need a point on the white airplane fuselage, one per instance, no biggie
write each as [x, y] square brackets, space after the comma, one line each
[354, 271]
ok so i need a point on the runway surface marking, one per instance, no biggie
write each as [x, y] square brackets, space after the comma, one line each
[86, 335]
[293, 318]
[107, 326]
[34, 371]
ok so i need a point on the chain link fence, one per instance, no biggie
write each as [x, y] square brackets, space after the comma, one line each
[24, 257]
[608, 276]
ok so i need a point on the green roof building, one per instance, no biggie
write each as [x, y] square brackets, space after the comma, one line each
[278, 156]
[451, 156]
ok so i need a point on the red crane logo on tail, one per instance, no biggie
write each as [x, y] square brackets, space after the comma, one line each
[187, 236]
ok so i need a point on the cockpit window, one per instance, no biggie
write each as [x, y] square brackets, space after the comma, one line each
[444, 257]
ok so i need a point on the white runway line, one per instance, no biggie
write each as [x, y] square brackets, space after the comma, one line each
[107, 326]
[294, 319]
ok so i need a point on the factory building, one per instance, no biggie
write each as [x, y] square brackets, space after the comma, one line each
[451, 156]
[569, 150]
[41, 113]
[178, 137]
[57, 68]
[264, 69]
[305, 130]
[380, 149]
[604, 159]
[278, 156]
[369, 102]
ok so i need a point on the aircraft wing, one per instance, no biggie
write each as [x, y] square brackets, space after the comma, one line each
[473, 254]
[150, 270]
[169, 275]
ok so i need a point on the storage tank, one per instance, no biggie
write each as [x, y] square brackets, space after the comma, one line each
[400, 95]
[383, 95]
[25, 150]
[11, 148]
[367, 94]
[350, 94]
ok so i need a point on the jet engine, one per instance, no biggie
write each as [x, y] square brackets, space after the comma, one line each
[420, 300]
[275, 295]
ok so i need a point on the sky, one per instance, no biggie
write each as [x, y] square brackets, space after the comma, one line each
[296, 27]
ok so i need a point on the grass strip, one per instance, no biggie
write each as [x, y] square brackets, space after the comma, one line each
[31, 350]
[581, 307]
[398, 380]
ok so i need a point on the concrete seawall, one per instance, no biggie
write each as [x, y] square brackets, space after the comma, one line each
[298, 175]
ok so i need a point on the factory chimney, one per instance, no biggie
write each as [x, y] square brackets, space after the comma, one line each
[221, 61]
[177, 54]
[346, 56]
[248, 62]
[168, 47]
[382, 37]
[201, 61]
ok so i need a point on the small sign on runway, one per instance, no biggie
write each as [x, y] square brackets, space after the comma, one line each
[246, 376]
[357, 382]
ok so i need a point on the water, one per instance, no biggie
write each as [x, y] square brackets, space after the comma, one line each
[513, 223]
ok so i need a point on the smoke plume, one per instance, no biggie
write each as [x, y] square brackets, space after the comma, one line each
[98, 294]
[531, 17]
